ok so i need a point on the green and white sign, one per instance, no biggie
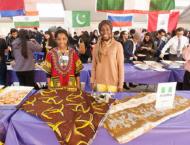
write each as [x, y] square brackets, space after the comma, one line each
[75, 19]
[165, 96]
[81, 18]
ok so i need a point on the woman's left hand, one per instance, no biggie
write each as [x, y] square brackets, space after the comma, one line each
[120, 89]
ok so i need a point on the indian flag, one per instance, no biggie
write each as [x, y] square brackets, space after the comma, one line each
[167, 21]
[26, 21]
[134, 5]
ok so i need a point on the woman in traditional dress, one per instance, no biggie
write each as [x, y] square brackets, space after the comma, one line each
[62, 63]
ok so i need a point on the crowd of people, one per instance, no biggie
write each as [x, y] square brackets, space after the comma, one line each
[65, 53]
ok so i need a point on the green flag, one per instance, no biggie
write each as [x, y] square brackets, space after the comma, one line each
[110, 5]
[158, 5]
[144, 5]
[80, 18]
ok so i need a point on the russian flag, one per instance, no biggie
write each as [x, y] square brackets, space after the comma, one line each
[120, 20]
[10, 8]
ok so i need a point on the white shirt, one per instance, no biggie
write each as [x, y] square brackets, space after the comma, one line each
[173, 45]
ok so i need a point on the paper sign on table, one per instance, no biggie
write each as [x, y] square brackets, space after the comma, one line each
[165, 96]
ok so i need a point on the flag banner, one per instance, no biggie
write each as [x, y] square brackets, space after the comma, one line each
[134, 6]
[11, 8]
[81, 18]
[30, 8]
[26, 21]
[120, 20]
[167, 21]
[77, 18]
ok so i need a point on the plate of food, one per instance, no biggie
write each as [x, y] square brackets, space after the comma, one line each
[1, 87]
[174, 64]
[11, 97]
[142, 66]
[155, 65]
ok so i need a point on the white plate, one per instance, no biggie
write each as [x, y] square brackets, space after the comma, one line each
[142, 66]
[1, 87]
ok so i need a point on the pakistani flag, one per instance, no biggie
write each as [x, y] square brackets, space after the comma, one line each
[77, 18]
[142, 5]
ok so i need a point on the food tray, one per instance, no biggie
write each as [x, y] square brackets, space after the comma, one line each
[15, 95]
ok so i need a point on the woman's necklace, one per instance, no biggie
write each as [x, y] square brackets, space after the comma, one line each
[63, 56]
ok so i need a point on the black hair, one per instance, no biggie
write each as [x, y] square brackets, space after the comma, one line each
[132, 31]
[62, 31]
[179, 29]
[105, 22]
[144, 30]
[122, 33]
[150, 36]
[13, 30]
[161, 31]
[24, 37]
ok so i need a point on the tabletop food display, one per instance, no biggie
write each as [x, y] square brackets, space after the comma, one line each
[11, 97]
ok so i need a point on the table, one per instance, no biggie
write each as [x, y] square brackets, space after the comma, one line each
[40, 76]
[5, 116]
[132, 75]
[25, 129]
[177, 75]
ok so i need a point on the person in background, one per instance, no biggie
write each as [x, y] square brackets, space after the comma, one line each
[132, 33]
[176, 45]
[38, 35]
[3, 66]
[94, 37]
[24, 65]
[124, 36]
[48, 42]
[75, 38]
[146, 50]
[186, 56]
[130, 47]
[108, 61]
[144, 31]
[9, 40]
[62, 63]
[159, 42]
[84, 47]
[116, 35]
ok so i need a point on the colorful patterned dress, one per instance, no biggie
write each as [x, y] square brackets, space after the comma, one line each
[62, 68]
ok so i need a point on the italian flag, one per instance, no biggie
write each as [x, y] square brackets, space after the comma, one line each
[134, 5]
[167, 21]
[26, 21]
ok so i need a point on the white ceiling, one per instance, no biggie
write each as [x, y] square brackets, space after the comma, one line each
[53, 9]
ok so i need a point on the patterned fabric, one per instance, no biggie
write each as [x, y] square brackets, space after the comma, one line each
[132, 117]
[62, 71]
[74, 116]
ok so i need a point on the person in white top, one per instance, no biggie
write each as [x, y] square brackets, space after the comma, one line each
[176, 45]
